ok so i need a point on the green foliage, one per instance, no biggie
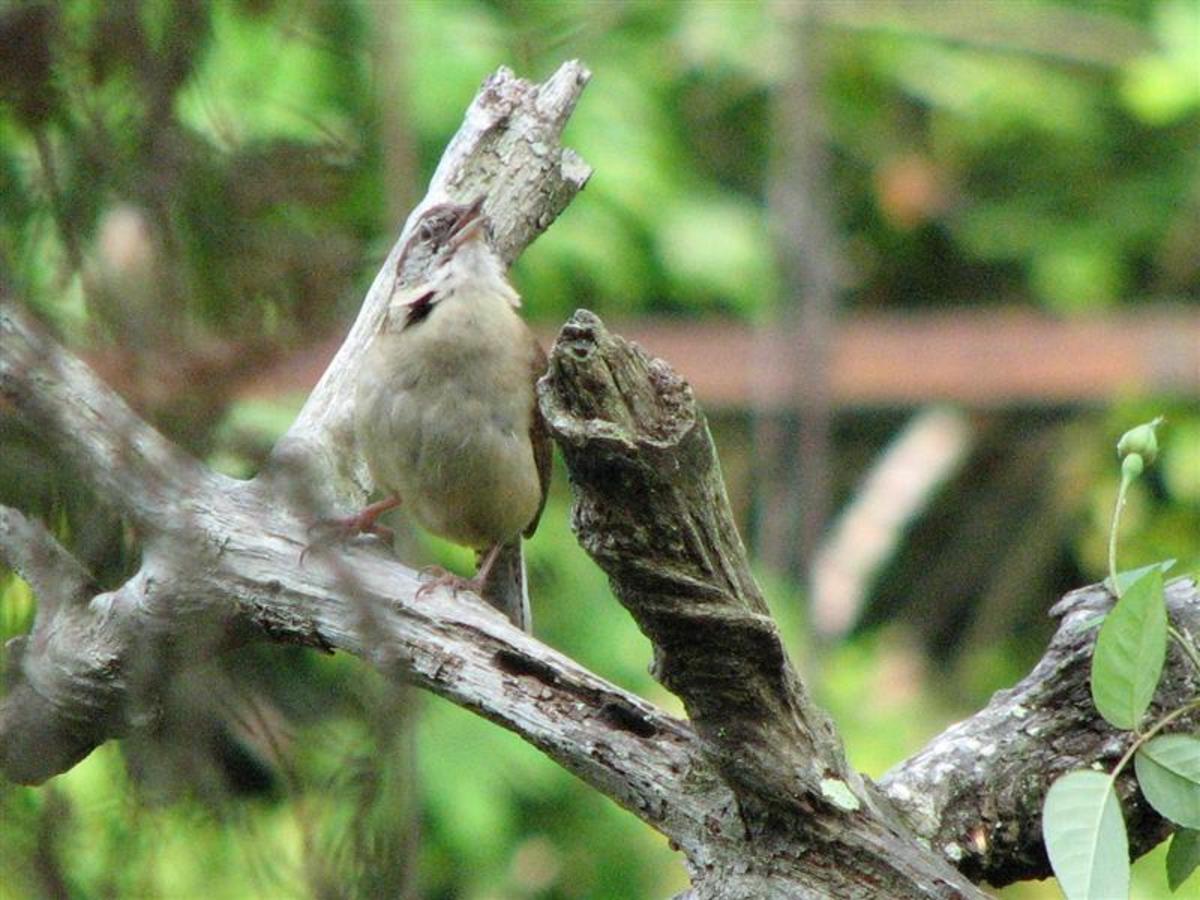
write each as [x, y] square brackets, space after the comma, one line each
[16, 607]
[1130, 652]
[1085, 836]
[1168, 771]
[502, 819]
[1183, 857]
[1161, 517]
[201, 186]
[1162, 88]
[1082, 823]
[1126, 580]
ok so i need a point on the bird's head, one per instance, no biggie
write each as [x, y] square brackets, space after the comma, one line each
[467, 253]
[471, 225]
[453, 244]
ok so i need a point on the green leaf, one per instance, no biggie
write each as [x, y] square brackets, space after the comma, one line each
[1168, 770]
[1130, 651]
[1182, 857]
[1126, 579]
[1085, 836]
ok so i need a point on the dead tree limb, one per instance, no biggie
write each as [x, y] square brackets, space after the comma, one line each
[975, 792]
[753, 789]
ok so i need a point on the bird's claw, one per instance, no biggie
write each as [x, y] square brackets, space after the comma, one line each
[341, 530]
[437, 577]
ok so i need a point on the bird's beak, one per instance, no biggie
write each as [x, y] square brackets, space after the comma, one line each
[470, 224]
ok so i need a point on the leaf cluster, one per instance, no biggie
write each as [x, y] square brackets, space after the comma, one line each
[1082, 821]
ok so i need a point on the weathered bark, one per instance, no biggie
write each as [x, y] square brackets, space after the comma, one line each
[975, 792]
[753, 788]
[650, 508]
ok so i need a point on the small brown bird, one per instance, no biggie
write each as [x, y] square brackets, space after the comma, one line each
[445, 412]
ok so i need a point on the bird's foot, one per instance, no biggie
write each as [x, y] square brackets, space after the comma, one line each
[341, 529]
[434, 577]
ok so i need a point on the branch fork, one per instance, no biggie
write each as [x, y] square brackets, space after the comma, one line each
[753, 789]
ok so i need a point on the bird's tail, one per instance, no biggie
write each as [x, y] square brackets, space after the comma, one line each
[507, 588]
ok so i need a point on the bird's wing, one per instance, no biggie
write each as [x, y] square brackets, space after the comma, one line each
[410, 306]
[539, 436]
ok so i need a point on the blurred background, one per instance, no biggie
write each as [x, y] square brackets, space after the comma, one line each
[922, 261]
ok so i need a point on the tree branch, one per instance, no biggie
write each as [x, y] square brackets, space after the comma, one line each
[650, 508]
[57, 578]
[61, 681]
[122, 457]
[754, 790]
[975, 793]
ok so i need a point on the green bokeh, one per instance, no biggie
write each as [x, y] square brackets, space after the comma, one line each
[267, 175]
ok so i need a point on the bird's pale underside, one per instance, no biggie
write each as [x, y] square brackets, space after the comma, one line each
[445, 410]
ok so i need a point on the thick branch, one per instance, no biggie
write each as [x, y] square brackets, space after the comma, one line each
[461, 649]
[976, 791]
[57, 578]
[126, 460]
[650, 507]
[60, 703]
[761, 801]
[454, 646]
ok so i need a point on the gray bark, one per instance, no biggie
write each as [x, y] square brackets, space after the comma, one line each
[753, 788]
[975, 792]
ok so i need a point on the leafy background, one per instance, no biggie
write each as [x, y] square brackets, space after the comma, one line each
[195, 194]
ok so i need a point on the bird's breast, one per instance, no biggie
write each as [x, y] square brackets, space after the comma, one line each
[443, 415]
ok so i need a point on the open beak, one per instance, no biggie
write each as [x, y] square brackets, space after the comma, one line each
[470, 224]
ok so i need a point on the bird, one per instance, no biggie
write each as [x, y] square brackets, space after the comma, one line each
[445, 410]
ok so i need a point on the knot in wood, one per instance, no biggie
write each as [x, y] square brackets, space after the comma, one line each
[601, 387]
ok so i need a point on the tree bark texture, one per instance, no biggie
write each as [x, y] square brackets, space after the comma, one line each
[753, 788]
